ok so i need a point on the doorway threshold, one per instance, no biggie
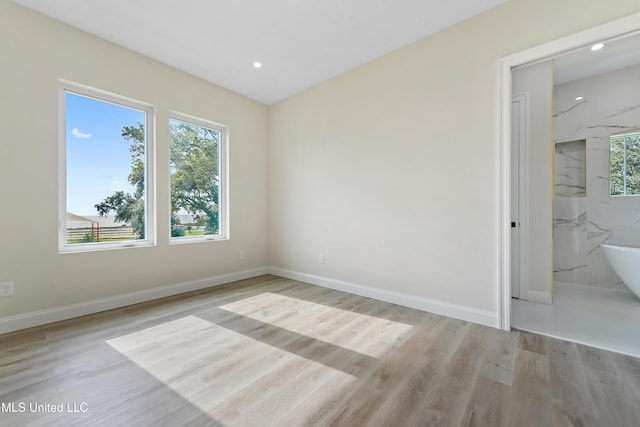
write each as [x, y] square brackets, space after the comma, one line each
[605, 318]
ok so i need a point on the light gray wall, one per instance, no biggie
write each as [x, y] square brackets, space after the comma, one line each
[611, 105]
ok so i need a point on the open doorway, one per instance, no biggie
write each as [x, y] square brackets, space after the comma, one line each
[590, 101]
[621, 28]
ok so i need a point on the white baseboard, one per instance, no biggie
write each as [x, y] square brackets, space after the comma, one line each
[36, 318]
[541, 297]
[468, 314]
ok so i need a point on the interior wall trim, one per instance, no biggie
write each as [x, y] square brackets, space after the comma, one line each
[460, 312]
[41, 317]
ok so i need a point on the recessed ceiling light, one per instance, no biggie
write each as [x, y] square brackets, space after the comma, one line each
[257, 64]
[597, 46]
[578, 98]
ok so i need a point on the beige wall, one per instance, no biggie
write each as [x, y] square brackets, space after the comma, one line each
[537, 82]
[392, 170]
[35, 52]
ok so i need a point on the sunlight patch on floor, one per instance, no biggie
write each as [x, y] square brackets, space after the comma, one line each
[226, 374]
[369, 335]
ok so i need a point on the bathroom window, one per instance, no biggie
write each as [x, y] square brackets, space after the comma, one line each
[624, 164]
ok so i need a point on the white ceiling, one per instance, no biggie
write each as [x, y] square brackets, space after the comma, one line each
[299, 42]
[615, 55]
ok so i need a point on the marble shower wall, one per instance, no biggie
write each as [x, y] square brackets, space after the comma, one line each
[584, 218]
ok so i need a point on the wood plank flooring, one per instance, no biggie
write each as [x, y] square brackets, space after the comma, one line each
[274, 352]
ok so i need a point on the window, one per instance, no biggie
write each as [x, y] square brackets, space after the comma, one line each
[624, 164]
[197, 150]
[105, 172]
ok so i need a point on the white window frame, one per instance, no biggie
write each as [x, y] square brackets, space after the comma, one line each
[223, 173]
[65, 87]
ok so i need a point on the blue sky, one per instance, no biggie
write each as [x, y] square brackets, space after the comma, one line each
[98, 158]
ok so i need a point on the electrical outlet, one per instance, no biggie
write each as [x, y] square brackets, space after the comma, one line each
[6, 289]
[242, 255]
[321, 259]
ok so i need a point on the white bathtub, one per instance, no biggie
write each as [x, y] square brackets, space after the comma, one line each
[625, 261]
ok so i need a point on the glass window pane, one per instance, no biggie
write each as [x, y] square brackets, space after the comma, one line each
[105, 146]
[616, 166]
[195, 179]
[633, 165]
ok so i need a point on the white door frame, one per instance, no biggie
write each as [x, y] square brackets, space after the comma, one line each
[620, 27]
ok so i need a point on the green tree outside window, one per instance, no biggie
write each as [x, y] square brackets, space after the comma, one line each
[624, 164]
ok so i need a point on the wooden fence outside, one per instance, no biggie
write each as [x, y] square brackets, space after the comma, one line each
[101, 234]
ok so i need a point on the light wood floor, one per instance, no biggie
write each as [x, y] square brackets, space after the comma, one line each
[273, 352]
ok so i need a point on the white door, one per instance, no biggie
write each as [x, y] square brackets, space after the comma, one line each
[518, 196]
[515, 187]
